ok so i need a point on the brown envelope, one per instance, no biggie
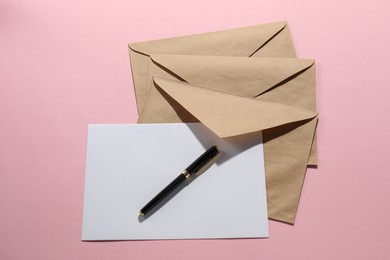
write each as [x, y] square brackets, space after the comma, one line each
[238, 95]
[266, 40]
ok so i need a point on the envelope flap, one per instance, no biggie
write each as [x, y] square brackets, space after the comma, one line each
[243, 76]
[236, 42]
[229, 115]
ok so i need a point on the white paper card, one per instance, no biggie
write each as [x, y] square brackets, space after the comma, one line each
[127, 165]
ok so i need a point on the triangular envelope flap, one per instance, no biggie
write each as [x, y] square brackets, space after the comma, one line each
[229, 115]
[242, 76]
[227, 42]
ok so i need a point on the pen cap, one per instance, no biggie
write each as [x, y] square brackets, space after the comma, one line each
[202, 160]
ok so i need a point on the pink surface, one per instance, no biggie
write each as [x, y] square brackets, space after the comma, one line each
[64, 64]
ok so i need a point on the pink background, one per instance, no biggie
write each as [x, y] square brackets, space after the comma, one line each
[64, 64]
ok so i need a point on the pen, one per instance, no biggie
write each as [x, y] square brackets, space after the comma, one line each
[193, 168]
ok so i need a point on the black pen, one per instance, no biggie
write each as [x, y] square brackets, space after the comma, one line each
[193, 168]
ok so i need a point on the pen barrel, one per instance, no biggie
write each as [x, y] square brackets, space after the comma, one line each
[163, 194]
[199, 163]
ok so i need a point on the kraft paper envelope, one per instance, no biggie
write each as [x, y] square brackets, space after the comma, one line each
[265, 40]
[238, 95]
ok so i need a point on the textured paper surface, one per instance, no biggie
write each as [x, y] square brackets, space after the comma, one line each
[128, 164]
